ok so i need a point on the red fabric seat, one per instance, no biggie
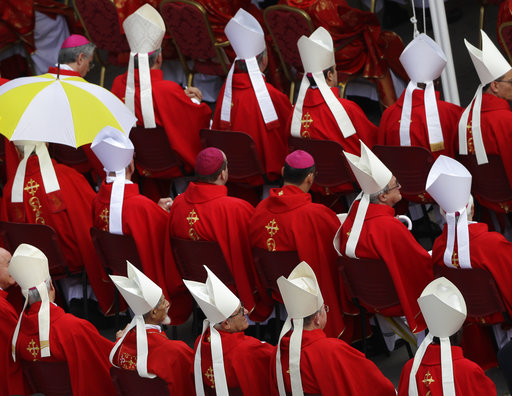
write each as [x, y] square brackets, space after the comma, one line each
[129, 383]
[41, 378]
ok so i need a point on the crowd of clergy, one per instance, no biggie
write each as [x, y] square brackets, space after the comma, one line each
[313, 355]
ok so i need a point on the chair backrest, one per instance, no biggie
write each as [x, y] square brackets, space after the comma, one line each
[490, 180]
[153, 152]
[48, 378]
[478, 288]
[39, 235]
[191, 255]
[240, 150]
[332, 168]
[271, 265]
[505, 37]
[114, 250]
[286, 25]
[101, 23]
[410, 165]
[369, 282]
[129, 383]
[68, 155]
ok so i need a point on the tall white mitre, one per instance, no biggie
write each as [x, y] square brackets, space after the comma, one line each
[218, 303]
[248, 40]
[29, 268]
[444, 310]
[115, 151]
[142, 295]
[302, 297]
[490, 65]
[424, 61]
[145, 31]
[449, 183]
[317, 55]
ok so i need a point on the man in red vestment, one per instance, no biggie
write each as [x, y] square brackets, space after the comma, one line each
[166, 103]
[492, 135]
[13, 380]
[288, 220]
[364, 48]
[119, 208]
[442, 368]
[419, 117]
[245, 360]
[246, 103]
[48, 333]
[151, 352]
[326, 366]
[56, 195]
[205, 212]
[384, 237]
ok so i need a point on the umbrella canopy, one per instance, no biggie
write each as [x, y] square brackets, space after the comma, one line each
[66, 110]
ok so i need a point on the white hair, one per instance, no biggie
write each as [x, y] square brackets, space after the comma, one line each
[33, 294]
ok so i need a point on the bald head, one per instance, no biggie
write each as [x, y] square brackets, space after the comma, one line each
[6, 280]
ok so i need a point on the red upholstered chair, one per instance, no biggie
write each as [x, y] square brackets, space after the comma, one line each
[40, 376]
[371, 288]
[100, 21]
[129, 383]
[286, 25]
[482, 296]
[192, 35]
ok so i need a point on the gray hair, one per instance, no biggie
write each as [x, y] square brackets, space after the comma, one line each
[374, 198]
[151, 59]
[33, 294]
[70, 55]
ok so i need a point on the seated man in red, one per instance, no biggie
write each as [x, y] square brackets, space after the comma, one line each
[47, 333]
[419, 117]
[288, 220]
[246, 103]
[13, 376]
[372, 231]
[120, 209]
[154, 100]
[306, 361]
[440, 368]
[205, 212]
[143, 346]
[225, 358]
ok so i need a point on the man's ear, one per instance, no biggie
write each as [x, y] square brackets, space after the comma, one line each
[493, 87]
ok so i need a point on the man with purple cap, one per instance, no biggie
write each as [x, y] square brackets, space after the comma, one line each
[75, 57]
[288, 220]
[205, 212]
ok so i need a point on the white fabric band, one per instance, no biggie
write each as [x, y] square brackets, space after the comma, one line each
[129, 94]
[279, 368]
[457, 229]
[146, 94]
[355, 232]
[297, 110]
[476, 102]
[294, 357]
[48, 175]
[115, 218]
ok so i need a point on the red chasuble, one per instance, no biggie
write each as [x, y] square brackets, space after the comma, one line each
[13, 380]
[146, 222]
[246, 362]
[288, 220]
[489, 251]
[181, 118]
[271, 140]
[329, 366]
[449, 115]
[170, 360]
[496, 118]
[205, 212]
[469, 378]
[73, 340]
[386, 238]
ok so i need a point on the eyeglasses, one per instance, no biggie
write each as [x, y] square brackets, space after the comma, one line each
[241, 311]
[397, 185]
[326, 307]
[505, 81]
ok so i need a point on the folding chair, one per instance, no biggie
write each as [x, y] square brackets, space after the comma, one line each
[371, 288]
[188, 24]
[129, 383]
[114, 250]
[40, 376]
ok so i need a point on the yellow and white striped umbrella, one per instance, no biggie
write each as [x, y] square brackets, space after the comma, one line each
[66, 110]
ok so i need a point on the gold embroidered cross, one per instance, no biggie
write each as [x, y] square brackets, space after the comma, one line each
[455, 260]
[192, 217]
[272, 227]
[210, 376]
[306, 121]
[104, 215]
[428, 379]
[31, 187]
[33, 348]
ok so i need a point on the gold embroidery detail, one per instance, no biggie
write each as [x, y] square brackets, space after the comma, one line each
[127, 361]
[33, 348]
[306, 122]
[504, 206]
[36, 208]
[209, 374]
[427, 380]
[272, 229]
[280, 193]
[455, 260]
[471, 147]
[104, 216]
[192, 219]
[31, 187]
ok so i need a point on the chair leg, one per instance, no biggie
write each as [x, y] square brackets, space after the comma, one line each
[409, 350]
[102, 76]
[292, 91]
